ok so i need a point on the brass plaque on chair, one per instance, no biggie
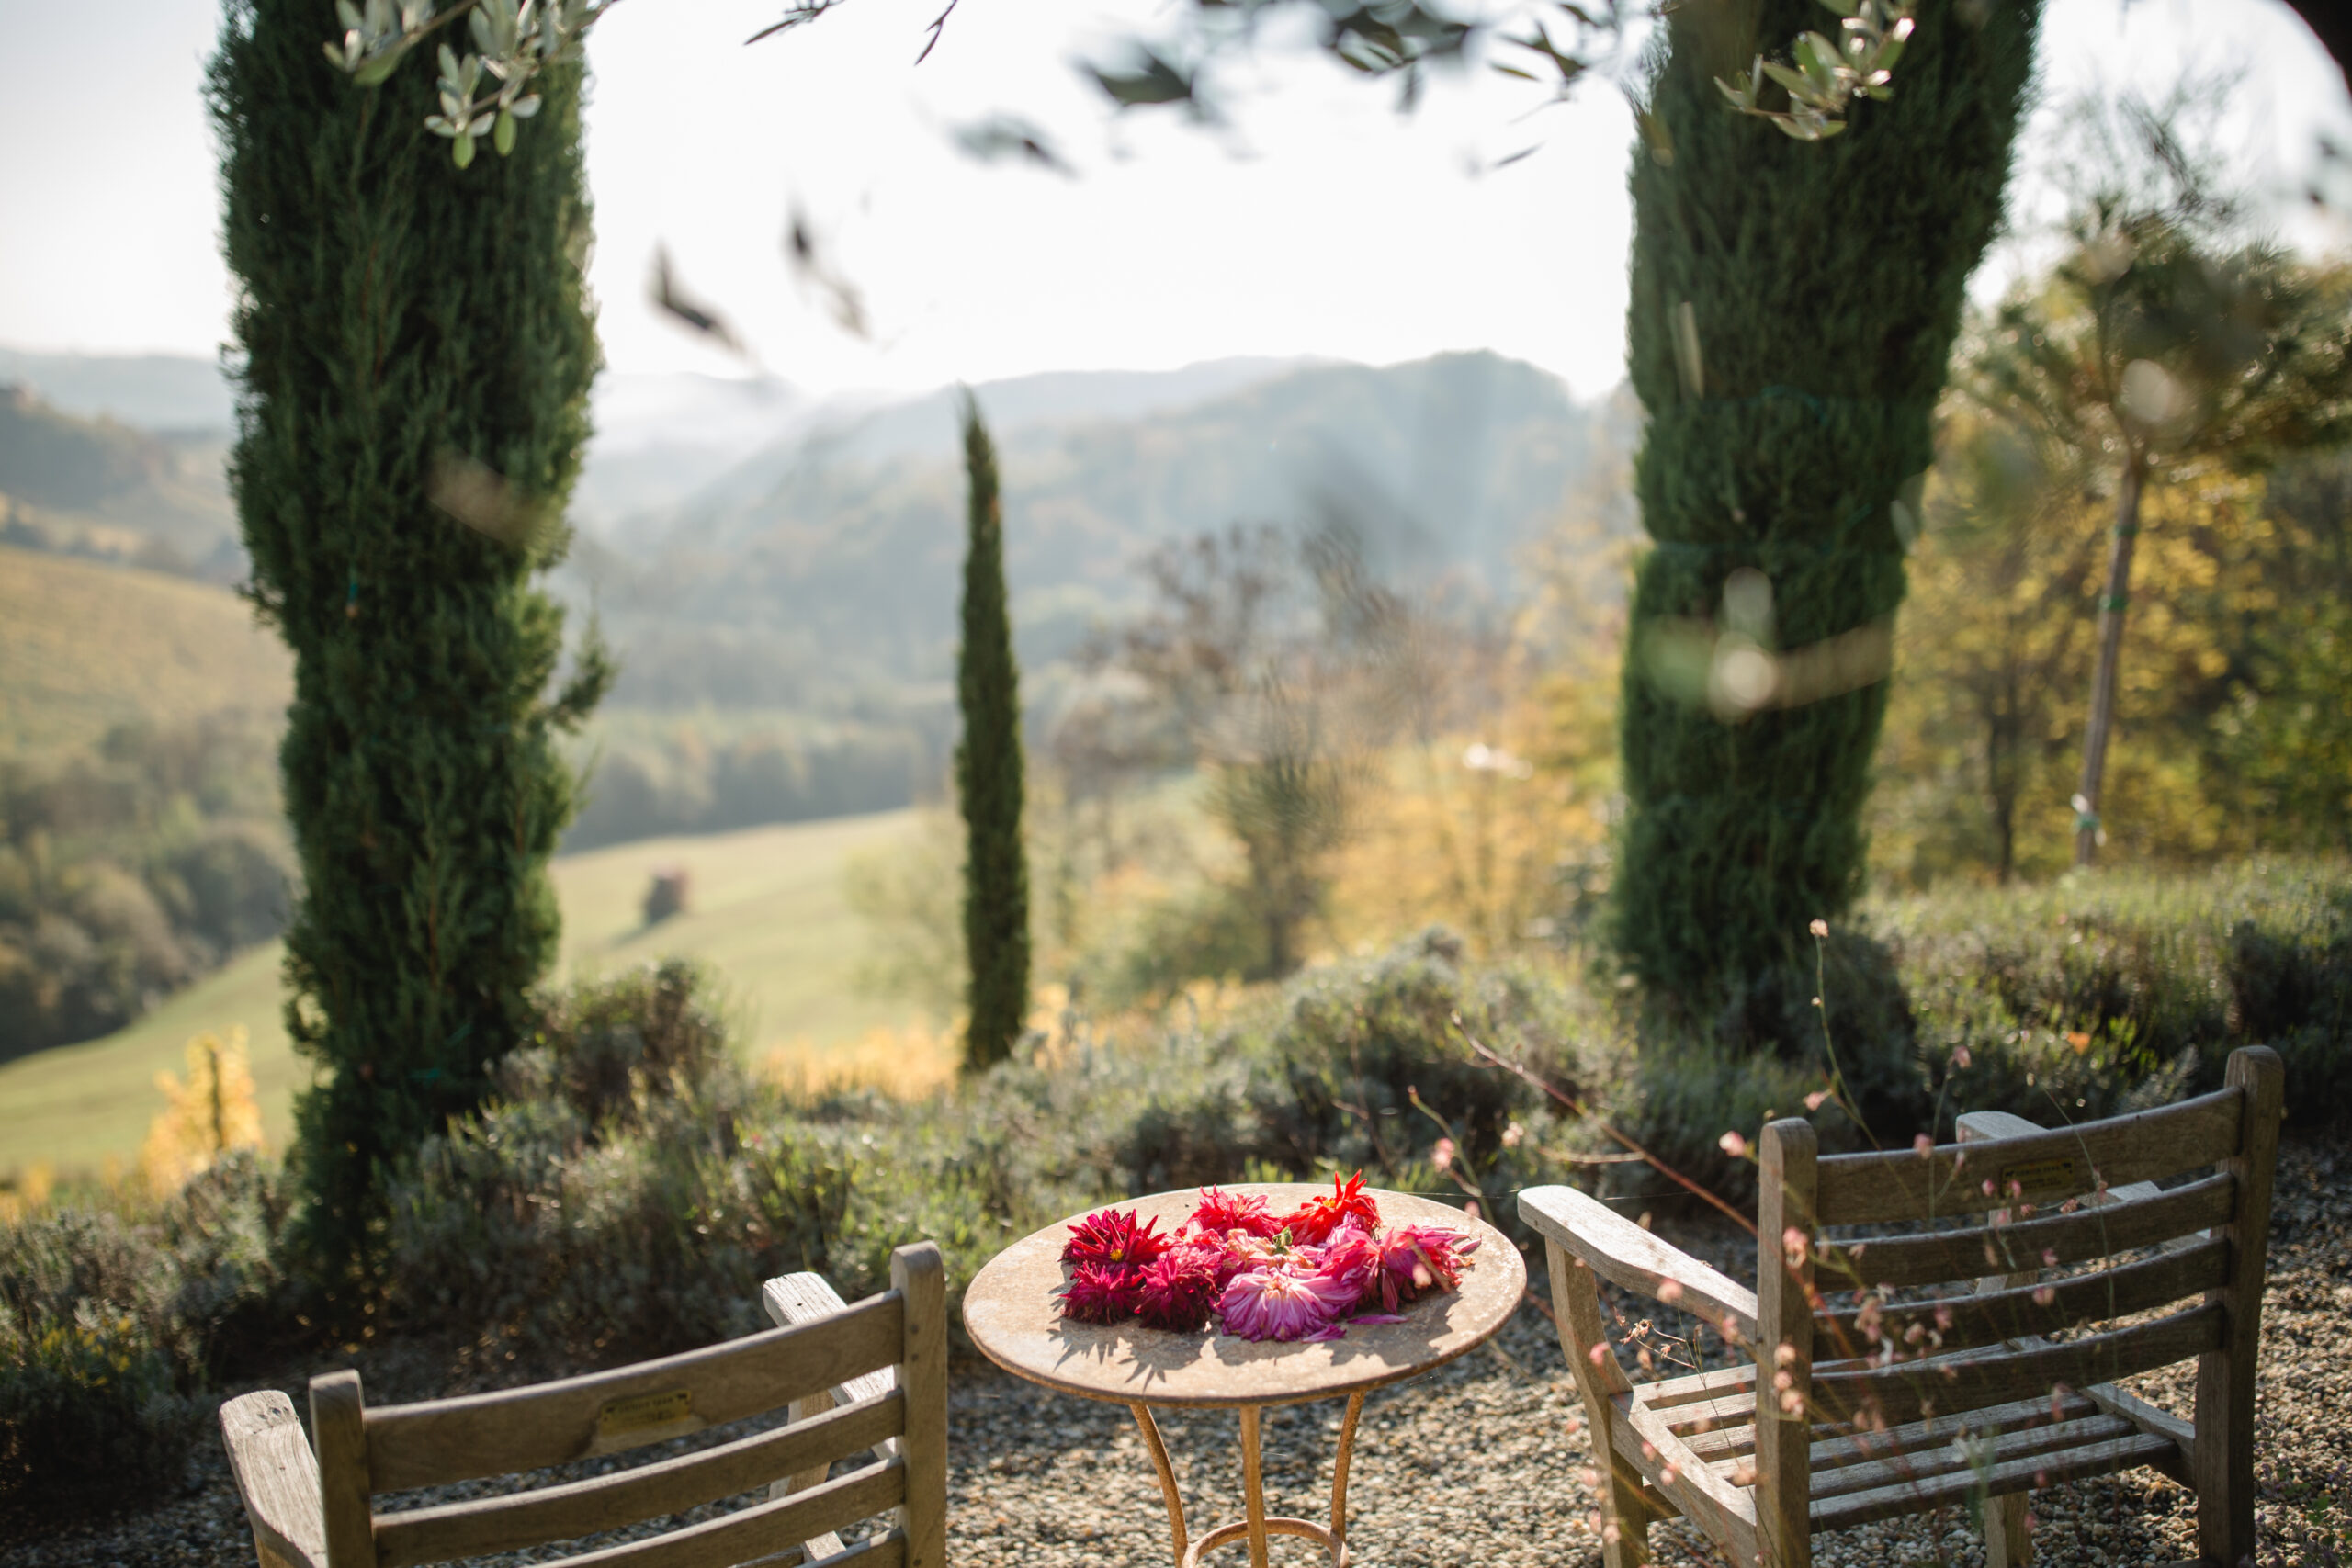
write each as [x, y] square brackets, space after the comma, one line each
[638, 1412]
[2039, 1176]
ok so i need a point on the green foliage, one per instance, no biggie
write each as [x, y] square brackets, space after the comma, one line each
[2086, 997]
[416, 355]
[1791, 309]
[127, 872]
[111, 1326]
[1205, 932]
[2163, 348]
[2280, 737]
[2092, 986]
[653, 773]
[989, 773]
[622, 1194]
[90, 1402]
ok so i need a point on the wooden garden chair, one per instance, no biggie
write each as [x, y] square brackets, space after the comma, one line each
[1903, 1399]
[871, 1376]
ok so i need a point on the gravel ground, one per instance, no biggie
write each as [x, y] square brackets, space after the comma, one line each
[1476, 1463]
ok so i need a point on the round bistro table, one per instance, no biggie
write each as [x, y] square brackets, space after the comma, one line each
[1014, 1316]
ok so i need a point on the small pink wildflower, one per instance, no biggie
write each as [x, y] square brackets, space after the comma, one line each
[1733, 1145]
[1441, 1156]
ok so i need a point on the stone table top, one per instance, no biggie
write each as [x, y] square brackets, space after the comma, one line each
[1014, 1316]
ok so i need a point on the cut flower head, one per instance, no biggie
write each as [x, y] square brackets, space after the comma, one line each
[1114, 1239]
[1303, 1275]
[1272, 1305]
[1312, 1223]
[1220, 1211]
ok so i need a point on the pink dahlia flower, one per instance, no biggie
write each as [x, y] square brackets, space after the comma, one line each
[1272, 1305]
[1221, 1211]
[1238, 1252]
[1353, 1259]
[1417, 1260]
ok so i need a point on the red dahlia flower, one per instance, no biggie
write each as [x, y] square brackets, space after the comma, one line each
[1099, 1294]
[1313, 1222]
[1221, 1211]
[1175, 1292]
[1113, 1239]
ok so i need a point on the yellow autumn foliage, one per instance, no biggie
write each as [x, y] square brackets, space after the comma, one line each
[210, 1113]
[1993, 657]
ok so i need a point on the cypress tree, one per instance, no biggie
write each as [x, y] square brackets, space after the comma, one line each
[416, 347]
[1792, 307]
[989, 772]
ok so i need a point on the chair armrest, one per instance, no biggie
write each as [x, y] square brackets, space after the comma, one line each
[278, 1478]
[1624, 1254]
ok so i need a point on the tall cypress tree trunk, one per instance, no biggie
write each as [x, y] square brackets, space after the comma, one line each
[2100, 726]
[989, 773]
[1792, 308]
[402, 322]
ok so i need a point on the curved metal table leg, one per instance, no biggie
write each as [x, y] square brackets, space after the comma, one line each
[1255, 1526]
[1150, 1429]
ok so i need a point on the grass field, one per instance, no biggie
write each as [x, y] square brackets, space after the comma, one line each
[766, 911]
[84, 647]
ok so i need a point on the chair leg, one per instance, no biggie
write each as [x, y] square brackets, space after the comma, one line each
[1626, 1513]
[2008, 1541]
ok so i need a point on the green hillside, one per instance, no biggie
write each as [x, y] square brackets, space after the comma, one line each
[766, 909]
[95, 485]
[86, 647]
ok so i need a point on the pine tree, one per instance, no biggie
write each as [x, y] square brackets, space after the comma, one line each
[416, 349]
[989, 773]
[1792, 307]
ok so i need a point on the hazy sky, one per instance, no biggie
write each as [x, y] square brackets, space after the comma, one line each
[1317, 222]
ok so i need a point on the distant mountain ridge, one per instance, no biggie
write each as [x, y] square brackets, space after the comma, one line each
[747, 544]
[832, 556]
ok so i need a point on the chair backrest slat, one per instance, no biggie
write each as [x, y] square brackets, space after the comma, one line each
[1960, 1321]
[2024, 1245]
[754, 1531]
[441, 1441]
[1961, 1179]
[1909, 1391]
[505, 1523]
